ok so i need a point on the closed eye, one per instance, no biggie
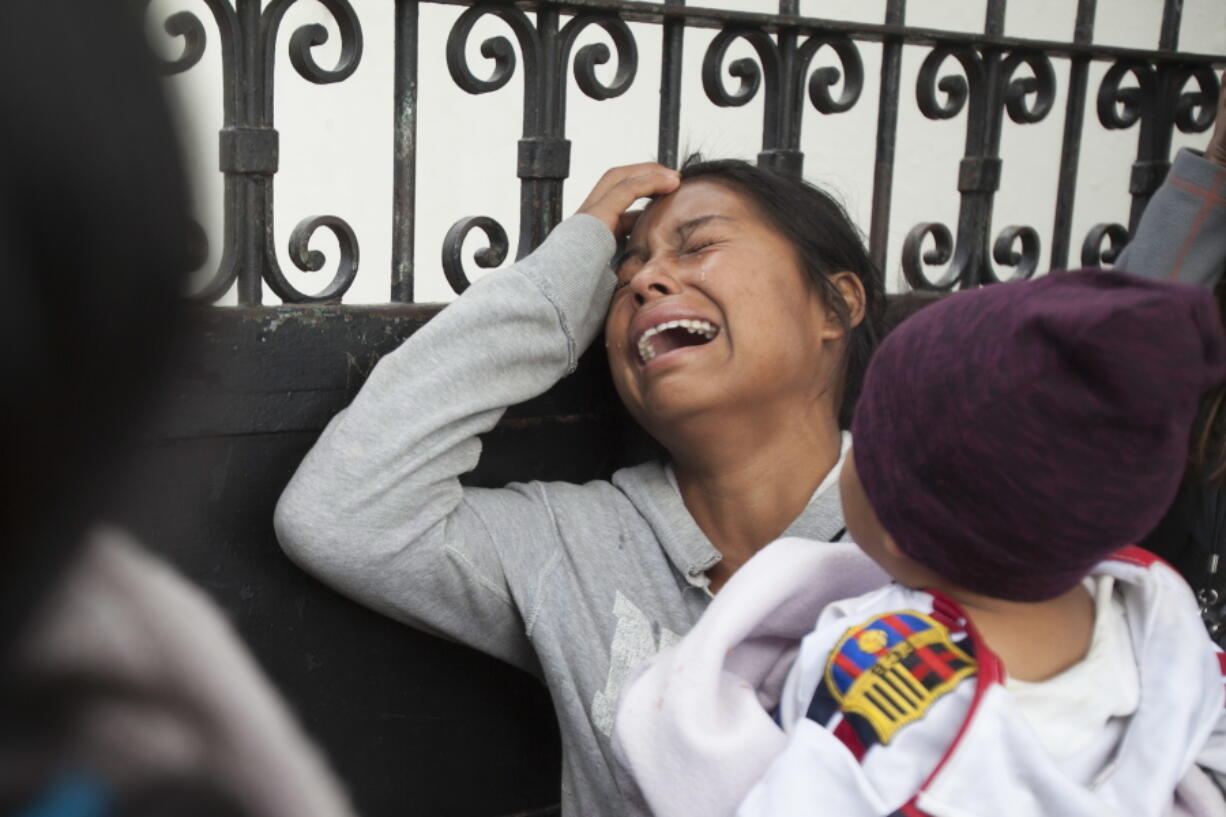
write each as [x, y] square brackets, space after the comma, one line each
[626, 255]
[693, 249]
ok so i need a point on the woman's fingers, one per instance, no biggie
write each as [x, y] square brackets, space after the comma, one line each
[620, 187]
[614, 176]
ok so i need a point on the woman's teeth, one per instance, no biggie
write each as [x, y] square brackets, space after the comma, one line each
[694, 327]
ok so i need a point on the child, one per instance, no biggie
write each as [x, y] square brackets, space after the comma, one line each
[1010, 443]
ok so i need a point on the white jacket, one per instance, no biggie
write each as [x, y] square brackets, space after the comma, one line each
[957, 745]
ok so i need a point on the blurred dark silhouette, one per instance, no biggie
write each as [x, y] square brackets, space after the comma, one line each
[122, 689]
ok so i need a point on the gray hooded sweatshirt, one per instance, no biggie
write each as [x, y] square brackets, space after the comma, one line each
[574, 583]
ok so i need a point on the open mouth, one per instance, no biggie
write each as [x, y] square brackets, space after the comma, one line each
[672, 335]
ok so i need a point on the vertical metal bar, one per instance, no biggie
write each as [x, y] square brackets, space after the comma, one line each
[791, 84]
[994, 24]
[404, 170]
[670, 88]
[784, 103]
[255, 221]
[1172, 15]
[887, 133]
[1074, 121]
[979, 177]
[540, 196]
[1157, 120]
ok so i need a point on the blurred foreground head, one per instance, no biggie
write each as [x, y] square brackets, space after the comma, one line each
[93, 253]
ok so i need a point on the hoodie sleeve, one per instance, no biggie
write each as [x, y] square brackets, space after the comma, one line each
[1182, 235]
[376, 508]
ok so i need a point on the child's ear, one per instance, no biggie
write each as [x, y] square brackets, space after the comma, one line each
[851, 290]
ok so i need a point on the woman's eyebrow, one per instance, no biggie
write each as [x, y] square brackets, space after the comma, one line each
[689, 226]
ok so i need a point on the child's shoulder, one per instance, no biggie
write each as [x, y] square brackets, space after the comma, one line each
[846, 615]
[879, 661]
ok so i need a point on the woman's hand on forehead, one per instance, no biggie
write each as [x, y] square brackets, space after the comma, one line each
[621, 187]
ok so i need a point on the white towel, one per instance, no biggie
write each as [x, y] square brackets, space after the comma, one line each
[693, 730]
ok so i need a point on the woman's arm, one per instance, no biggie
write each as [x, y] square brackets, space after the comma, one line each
[377, 510]
[1182, 235]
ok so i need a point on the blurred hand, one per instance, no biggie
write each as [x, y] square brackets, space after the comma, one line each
[1216, 152]
[620, 187]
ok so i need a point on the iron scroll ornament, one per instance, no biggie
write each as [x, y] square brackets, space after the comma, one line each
[309, 260]
[990, 87]
[486, 258]
[1120, 107]
[544, 152]
[1159, 102]
[249, 144]
[535, 46]
[1094, 254]
[1025, 262]
[782, 66]
[188, 26]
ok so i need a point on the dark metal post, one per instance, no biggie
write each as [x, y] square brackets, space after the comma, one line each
[251, 224]
[784, 104]
[1074, 121]
[673, 38]
[1172, 16]
[887, 133]
[404, 172]
[1158, 122]
[979, 176]
[544, 152]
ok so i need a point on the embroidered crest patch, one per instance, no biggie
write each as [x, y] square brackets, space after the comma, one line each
[890, 670]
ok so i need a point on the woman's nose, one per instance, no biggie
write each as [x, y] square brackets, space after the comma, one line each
[653, 281]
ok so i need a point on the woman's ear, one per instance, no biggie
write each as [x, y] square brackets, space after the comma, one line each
[851, 290]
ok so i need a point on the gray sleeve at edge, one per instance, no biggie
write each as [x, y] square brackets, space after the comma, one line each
[1182, 234]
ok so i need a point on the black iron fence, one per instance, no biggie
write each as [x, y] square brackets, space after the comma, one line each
[989, 75]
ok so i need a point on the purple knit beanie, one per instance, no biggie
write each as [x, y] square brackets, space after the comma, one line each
[1011, 437]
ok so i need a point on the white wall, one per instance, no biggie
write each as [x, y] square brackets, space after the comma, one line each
[336, 140]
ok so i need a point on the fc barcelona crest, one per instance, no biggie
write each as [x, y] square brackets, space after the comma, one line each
[892, 669]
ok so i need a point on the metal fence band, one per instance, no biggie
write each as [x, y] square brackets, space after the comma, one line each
[985, 76]
[248, 151]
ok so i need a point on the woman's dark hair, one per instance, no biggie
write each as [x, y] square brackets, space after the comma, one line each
[1207, 455]
[826, 242]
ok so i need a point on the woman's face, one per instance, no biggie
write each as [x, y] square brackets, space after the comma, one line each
[713, 313]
